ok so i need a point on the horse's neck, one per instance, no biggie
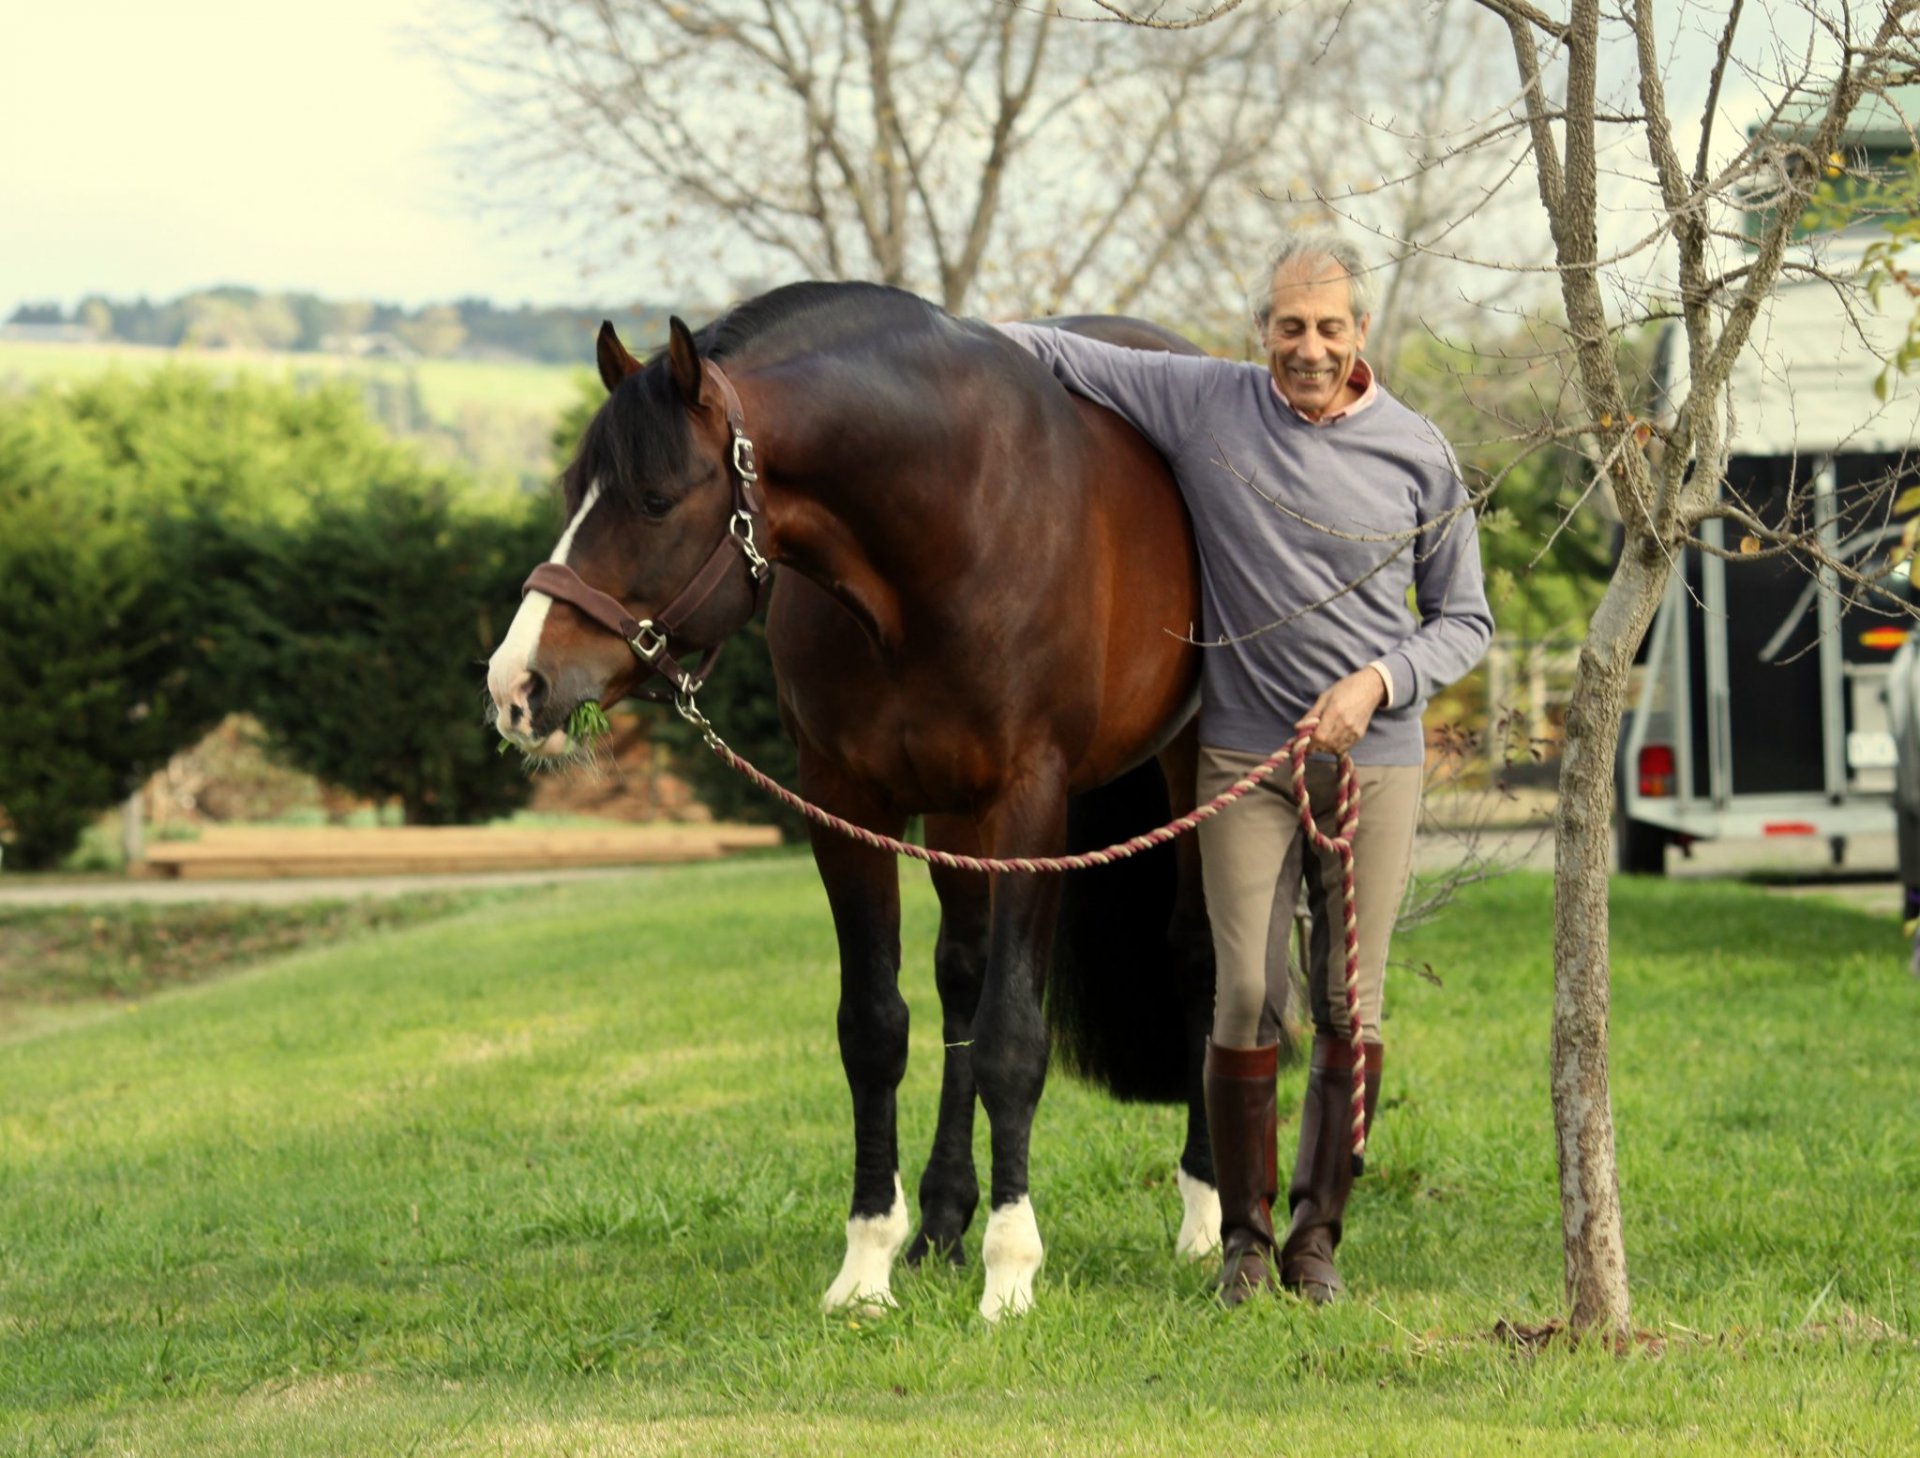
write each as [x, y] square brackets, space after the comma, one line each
[852, 501]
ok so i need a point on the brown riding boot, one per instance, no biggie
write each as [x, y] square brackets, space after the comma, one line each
[1242, 1127]
[1323, 1170]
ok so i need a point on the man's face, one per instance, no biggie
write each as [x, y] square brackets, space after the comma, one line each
[1313, 339]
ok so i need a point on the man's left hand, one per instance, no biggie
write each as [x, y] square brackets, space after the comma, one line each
[1344, 712]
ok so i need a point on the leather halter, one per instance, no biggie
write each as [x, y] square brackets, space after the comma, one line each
[649, 637]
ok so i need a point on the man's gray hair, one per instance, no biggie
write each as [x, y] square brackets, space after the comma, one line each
[1305, 245]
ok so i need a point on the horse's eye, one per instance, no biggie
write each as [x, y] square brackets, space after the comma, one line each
[655, 505]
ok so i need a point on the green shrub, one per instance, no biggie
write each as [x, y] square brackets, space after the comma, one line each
[174, 546]
[357, 632]
[101, 671]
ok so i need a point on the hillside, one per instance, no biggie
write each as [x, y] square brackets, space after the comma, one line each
[493, 417]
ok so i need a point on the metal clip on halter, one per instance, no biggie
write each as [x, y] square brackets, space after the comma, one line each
[742, 528]
[690, 711]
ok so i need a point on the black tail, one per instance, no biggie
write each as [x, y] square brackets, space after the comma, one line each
[1121, 994]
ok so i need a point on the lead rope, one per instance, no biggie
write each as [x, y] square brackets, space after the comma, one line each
[1346, 812]
[1294, 751]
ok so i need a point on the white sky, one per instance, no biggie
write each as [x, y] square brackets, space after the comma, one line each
[153, 148]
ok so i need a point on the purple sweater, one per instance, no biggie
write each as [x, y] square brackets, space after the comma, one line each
[1321, 529]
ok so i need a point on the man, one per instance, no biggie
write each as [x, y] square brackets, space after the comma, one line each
[1319, 502]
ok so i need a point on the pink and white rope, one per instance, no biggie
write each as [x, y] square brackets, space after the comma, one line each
[1346, 812]
[1294, 751]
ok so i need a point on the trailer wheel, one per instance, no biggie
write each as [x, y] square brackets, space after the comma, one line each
[1642, 848]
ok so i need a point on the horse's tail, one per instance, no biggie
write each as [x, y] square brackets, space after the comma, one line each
[1121, 995]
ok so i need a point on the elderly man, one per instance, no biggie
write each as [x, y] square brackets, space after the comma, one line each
[1320, 504]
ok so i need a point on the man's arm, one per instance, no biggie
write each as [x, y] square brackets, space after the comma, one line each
[1450, 592]
[1156, 392]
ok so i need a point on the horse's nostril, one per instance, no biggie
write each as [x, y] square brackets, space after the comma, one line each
[536, 696]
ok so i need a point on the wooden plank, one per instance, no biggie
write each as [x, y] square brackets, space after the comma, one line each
[252, 851]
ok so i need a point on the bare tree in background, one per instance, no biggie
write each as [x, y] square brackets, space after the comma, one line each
[1706, 243]
[1422, 169]
[985, 154]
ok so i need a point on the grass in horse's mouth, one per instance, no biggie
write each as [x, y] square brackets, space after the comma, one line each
[585, 724]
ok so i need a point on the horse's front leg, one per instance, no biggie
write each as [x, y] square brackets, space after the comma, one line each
[863, 889]
[1010, 1035]
[950, 1188]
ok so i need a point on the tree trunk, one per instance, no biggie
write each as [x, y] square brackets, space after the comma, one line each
[1595, 1257]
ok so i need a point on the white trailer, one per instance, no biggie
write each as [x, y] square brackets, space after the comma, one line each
[1762, 705]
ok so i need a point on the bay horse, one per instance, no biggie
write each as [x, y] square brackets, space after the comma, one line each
[981, 618]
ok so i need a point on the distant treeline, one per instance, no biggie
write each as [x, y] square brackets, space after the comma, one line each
[231, 317]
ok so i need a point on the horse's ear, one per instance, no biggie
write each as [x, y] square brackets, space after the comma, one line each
[684, 360]
[615, 363]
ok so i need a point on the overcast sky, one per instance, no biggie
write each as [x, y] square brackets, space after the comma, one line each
[150, 149]
[155, 148]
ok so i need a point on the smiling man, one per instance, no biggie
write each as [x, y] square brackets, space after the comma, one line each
[1320, 505]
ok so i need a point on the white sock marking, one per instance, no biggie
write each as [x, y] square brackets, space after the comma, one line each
[1012, 1252]
[515, 653]
[866, 1275]
[1200, 1226]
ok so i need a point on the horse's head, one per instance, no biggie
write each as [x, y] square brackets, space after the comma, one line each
[652, 499]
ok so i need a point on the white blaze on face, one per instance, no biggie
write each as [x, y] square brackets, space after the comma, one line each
[508, 666]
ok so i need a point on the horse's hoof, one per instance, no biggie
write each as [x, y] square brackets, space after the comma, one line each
[1199, 1236]
[865, 1278]
[1012, 1253]
[947, 1248]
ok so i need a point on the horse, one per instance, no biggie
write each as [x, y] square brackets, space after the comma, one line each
[982, 617]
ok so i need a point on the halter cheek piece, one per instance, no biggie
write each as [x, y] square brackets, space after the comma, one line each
[649, 637]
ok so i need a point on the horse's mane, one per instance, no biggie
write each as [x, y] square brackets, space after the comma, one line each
[640, 434]
[811, 316]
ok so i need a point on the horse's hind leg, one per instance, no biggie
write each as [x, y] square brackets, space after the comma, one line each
[950, 1188]
[863, 889]
[1190, 939]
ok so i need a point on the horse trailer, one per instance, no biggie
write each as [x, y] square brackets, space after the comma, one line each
[1762, 705]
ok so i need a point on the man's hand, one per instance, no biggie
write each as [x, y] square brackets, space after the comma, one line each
[1344, 712]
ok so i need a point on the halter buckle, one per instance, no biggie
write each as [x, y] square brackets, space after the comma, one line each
[648, 641]
[743, 460]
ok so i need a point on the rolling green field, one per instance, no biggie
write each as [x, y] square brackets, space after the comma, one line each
[447, 386]
[567, 1173]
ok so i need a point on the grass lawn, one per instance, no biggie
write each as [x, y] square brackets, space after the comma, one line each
[567, 1174]
[60, 959]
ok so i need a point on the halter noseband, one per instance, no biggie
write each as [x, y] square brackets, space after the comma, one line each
[648, 637]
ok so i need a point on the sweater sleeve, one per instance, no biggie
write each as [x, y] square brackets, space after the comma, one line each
[1156, 392]
[1449, 590]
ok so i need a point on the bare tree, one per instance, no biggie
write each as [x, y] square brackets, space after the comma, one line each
[980, 152]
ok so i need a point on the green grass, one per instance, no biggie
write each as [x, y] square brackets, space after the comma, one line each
[53, 957]
[567, 1175]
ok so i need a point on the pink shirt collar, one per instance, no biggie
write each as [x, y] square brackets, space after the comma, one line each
[1361, 379]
